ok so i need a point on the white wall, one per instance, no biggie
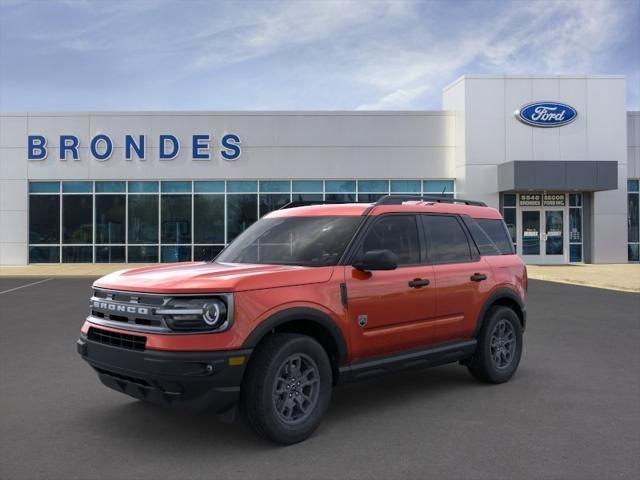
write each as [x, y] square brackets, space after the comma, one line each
[303, 145]
[494, 136]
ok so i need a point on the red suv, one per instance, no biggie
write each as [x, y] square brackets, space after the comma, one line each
[309, 297]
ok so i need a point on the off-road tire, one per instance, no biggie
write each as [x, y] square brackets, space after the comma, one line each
[261, 407]
[489, 363]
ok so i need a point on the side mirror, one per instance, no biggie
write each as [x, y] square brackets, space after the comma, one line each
[377, 260]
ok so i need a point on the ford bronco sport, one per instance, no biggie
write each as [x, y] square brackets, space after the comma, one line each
[309, 297]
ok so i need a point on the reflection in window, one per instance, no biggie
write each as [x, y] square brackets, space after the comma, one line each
[206, 252]
[176, 219]
[272, 201]
[447, 241]
[110, 218]
[143, 254]
[110, 254]
[77, 220]
[396, 233]
[242, 211]
[44, 219]
[143, 219]
[77, 254]
[208, 218]
[176, 253]
[44, 254]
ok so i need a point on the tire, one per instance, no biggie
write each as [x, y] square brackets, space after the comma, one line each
[273, 402]
[498, 362]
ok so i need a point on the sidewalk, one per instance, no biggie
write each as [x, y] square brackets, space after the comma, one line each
[622, 277]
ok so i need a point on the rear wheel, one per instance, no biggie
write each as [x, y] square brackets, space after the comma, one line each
[499, 347]
[287, 388]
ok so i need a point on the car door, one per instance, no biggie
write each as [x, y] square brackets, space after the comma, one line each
[390, 310]
[461, 277]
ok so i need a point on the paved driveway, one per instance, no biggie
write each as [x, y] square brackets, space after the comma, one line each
[571, 411]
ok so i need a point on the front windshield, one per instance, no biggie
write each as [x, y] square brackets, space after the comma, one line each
[305, 241]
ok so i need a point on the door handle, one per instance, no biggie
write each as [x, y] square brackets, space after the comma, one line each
[478, 277]
[419, 282]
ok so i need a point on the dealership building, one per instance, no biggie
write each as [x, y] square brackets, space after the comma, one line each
[558, 155]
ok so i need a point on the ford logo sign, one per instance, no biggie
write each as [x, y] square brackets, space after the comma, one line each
[546, 114]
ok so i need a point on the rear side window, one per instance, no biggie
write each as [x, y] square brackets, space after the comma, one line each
[447, 241]
[498, 233]
[481, 238]
[397, 233]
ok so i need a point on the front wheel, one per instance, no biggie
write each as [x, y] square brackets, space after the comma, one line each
[287, 388]
[499, 347]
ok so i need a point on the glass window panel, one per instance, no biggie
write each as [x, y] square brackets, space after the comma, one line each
[310, 186]
[381, 186]
[575, 199]
[242, 186]
[531, 232]
[204, 253]
[405, 186]
[242, 211]
[340, 185]
[498, 235]
[274, 186]
[575, 225]
[143, 187]
[175, 226]
[633, 185]
[575, 253]
[209, 187]
[509, 200]
[306, 197]
[554, 232]
[176, 253]
[110, 218]
[175, 187]
[437, 186]
[44, 218]
[143, 219]
[370, 197]
[44, 254]
[110, 187]
[76, 187]
[510, 216]
[77, 219]
[143, 254]
[77, 254]
[632, 217]
[111, 254]
[341, 197]
[633, 252]
[397, 233]
[208, 218]
[447, 241]
[44, 187]
[272, 201]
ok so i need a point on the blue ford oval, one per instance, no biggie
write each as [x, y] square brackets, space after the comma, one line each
[546, 114]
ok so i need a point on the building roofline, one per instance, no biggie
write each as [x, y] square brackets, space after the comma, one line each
[238, 113]
[530, 76]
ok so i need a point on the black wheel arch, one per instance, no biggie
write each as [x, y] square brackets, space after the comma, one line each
[307, 321]
[502, 297]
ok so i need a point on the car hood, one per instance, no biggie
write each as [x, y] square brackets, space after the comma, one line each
[208, 277]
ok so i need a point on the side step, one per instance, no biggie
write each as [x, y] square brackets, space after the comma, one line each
[425, 357]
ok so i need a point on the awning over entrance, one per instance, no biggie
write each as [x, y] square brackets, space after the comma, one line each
[563, 176]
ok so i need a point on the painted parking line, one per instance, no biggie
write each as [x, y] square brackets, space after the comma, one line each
[25, 286]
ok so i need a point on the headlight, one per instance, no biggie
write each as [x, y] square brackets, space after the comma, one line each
[195, 314]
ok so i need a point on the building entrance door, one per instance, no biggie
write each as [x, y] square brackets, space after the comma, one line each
[543, 235]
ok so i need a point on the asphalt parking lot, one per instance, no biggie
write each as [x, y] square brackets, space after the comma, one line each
[571, 411]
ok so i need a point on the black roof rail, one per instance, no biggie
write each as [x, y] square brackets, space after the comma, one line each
[398, 199]
[307, 203]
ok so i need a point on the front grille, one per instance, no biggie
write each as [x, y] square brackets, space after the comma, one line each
[128, 308]
[116, 339]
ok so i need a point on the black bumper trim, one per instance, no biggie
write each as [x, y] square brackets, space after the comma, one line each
[197, 381]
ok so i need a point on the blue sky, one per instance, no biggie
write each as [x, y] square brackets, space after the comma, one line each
[301, 55]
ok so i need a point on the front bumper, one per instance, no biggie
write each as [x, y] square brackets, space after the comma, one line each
[196, 381]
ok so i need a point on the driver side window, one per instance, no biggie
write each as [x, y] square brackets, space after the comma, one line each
[397, 233]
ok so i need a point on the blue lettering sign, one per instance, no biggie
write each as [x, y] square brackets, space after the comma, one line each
[546, 114]
[37, 147]
[130, 144]
[164, 155]
[108, 147]
[69, 143]
[200, 142]
[231, 147]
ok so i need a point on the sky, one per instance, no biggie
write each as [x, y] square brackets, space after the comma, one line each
[297, 55]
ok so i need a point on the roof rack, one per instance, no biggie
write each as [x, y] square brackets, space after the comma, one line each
[307, 203]
[398, 199]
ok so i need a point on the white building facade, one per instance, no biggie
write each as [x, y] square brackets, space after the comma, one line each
[143, 187]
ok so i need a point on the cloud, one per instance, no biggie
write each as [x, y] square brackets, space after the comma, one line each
[396, 100]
